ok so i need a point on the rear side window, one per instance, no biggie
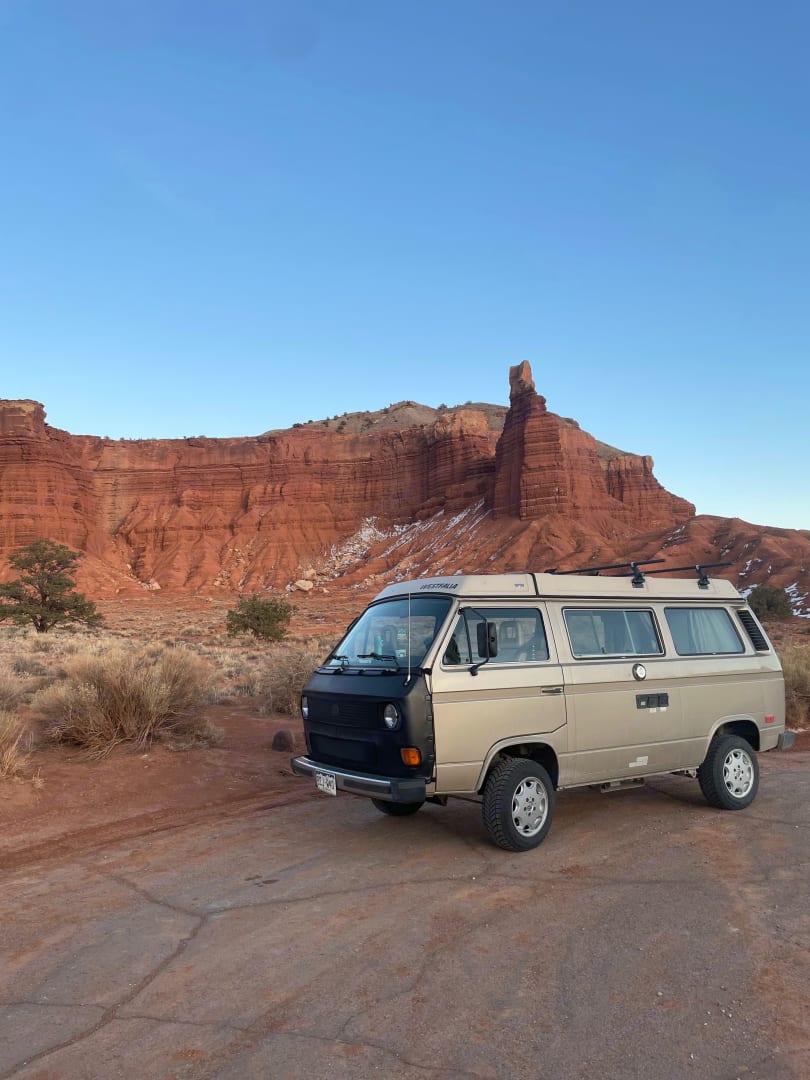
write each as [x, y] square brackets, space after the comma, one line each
[612, 632]
[703, 631]
[521, 636]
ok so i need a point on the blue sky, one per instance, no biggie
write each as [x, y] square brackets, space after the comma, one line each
[222, 218]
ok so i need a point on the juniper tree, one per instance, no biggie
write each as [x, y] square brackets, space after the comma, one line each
[44, 594]
[264, 617]
[770, 602]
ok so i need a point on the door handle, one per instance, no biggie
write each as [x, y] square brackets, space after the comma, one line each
[551, 690]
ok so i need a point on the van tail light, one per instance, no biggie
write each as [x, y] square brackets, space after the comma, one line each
[769, 719]
[411, 756]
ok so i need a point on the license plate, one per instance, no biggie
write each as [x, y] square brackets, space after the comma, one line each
[326, 782]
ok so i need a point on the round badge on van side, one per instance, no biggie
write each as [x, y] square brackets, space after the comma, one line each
[639, 672]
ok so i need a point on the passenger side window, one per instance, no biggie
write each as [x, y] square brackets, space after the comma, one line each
[702, 631]
[521, 636]
[612, 632]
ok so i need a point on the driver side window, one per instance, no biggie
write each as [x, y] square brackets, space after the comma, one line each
[458, 650]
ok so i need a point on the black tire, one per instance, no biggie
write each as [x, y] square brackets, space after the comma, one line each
[729, 776]
[518, 804]
[397, 809]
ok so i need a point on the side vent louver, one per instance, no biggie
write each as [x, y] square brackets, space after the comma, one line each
[753, 631]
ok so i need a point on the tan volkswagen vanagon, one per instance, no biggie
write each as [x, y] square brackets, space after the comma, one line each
[515, 686]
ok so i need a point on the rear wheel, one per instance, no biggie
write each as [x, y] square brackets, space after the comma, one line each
[729, 776]
[518, 804]
[397, 809]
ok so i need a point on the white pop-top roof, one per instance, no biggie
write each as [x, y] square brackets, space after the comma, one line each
[565, 586]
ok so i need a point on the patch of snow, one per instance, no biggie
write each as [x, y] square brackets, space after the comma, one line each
[675, 538]
[798, 601]
[462, 524]
[428, 537]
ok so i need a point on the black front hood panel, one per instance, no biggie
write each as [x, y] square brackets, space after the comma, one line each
[345, 725]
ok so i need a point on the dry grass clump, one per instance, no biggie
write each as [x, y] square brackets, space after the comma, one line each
[29, 665]
[250, 685]
[796, 667]
[40, 644]
[13, 755]
[11, 689]
[290, 665]
[128, 696]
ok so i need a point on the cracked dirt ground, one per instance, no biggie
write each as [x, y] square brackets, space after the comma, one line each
[650, 936]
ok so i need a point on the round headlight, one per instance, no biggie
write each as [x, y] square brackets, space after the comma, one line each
[304, 708]
[391, 717]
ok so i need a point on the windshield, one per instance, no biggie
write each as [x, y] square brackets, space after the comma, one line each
[392, 635]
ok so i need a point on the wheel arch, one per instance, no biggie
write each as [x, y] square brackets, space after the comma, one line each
[541, 752]
[744, 726]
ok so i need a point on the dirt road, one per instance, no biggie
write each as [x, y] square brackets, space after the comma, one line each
[650, 936]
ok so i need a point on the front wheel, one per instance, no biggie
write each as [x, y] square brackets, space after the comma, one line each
[518, 804]
[729, 775]
[397, 809]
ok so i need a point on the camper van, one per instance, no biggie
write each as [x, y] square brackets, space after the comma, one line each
[512, 687]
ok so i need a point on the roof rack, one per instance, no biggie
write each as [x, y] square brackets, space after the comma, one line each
[699, 568]
[638, 574]
[635, 569]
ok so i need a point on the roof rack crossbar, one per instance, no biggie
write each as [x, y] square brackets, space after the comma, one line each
[595, 570]
[699, 568]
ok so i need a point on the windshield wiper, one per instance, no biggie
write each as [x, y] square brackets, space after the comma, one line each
[381, 656]
[341, 659]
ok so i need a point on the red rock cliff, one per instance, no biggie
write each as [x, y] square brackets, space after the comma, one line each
[446, 495]
[546, 465]
[189, 513]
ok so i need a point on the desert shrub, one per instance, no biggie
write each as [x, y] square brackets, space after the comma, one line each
[796, 667]
[289, 667]
[264, 617]
[11, 689]
[13, 756]
[128, 696]
[770, 602]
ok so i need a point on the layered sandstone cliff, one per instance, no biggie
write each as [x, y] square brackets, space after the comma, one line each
[356, 507]
[545, 465]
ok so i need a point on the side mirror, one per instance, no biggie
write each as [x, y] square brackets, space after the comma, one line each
[487, 639]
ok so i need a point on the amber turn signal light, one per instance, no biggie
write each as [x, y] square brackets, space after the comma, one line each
[411, 756]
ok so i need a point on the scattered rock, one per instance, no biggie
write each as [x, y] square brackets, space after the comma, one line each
[283, 740]
[302, 585]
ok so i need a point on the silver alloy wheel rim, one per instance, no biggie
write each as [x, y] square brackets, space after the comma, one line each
[738, 773]
[529, 806]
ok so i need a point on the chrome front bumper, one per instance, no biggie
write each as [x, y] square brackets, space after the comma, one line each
[391, 788]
